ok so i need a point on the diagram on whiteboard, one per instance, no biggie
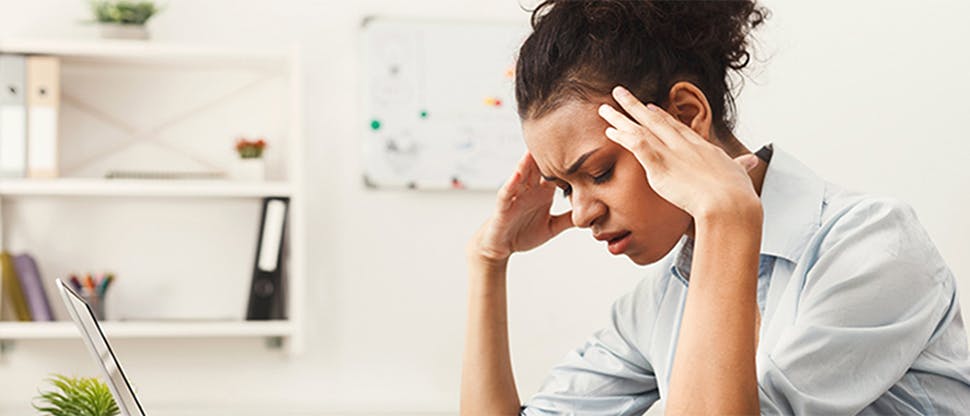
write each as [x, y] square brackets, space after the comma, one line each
[439, 105]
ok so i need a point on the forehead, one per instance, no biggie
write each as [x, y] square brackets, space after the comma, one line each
[559, 137]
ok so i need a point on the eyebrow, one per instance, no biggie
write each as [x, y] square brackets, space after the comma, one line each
[575, 166]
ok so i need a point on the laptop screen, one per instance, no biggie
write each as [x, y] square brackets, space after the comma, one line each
[98, 345]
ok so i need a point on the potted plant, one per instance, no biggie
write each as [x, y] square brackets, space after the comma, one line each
[249, 165]
[123, 19]
[76, 396]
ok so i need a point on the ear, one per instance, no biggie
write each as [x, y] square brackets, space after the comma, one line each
[689, 104]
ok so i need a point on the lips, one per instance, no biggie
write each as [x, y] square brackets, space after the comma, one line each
[617, 242]
[610, 236]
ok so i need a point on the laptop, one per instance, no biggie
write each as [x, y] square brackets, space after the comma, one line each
[97, 344]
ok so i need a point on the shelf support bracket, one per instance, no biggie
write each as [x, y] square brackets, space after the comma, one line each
[274, 343]
[6, 345]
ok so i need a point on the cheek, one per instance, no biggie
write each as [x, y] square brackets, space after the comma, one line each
[658, 217]
[658, 235]
[633, 179]
[658, 223]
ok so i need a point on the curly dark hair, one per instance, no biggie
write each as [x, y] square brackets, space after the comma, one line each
[583, 48]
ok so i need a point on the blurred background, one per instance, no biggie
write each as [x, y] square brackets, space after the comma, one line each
[870, 94]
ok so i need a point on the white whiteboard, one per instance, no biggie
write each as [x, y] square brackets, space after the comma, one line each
[438, 103]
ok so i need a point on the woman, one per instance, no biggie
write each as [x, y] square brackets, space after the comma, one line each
[803, 298]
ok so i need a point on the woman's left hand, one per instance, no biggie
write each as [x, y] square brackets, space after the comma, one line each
[682, 167]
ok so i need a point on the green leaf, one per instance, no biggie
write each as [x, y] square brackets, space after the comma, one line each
[128, 12]
[76, 396]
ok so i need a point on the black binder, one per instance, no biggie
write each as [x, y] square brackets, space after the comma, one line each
[266, 292]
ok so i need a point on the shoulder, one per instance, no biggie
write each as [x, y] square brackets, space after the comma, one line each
[887, 222]
[877, 234]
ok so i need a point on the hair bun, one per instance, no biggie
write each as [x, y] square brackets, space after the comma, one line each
[718, 28]
[645, 44]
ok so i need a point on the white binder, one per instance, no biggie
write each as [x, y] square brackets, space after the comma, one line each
[43, 97]
[13, 116]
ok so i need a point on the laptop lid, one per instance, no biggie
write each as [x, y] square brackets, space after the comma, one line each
[97, 344]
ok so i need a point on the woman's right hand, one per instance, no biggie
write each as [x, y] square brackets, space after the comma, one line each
[522, 220]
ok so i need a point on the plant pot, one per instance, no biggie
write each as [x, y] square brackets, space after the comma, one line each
[123, 31]
[249, 169]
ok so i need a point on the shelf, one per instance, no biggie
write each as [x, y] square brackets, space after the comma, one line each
[149, 329]
[139, 51]
[142, 187]
[251, 90]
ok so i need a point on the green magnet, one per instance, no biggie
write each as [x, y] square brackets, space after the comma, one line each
[424, 113]
[375, 124]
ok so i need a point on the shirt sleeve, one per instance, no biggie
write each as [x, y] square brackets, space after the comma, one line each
[607, 375]
[868, 307]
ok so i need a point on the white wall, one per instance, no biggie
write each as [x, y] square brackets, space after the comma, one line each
[870, 93]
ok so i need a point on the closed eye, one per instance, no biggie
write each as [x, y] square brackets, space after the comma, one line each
[603, 177]
[567, 190]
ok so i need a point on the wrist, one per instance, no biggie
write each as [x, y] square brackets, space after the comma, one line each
[481, 249]
[740, 211]
[727, 245]
[487, 276]
[486, 259]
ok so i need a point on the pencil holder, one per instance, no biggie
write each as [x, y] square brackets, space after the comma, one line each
[97, 304]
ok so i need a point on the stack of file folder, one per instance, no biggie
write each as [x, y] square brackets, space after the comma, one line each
[22, 287]
[29, 106]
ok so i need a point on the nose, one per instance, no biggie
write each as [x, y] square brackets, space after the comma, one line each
[586, 209]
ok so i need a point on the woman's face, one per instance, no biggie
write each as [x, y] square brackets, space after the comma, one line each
[606, 185]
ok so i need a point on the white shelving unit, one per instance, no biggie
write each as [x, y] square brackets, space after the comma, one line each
[137, 187]
[125, 51]
[150, 329]
[82, 182]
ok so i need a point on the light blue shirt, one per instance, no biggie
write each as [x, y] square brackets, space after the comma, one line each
[859, 315]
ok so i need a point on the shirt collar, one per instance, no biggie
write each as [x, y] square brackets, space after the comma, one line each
[791, 198]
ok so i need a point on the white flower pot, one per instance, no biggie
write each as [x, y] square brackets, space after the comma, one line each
[249, 169]
[123, 31]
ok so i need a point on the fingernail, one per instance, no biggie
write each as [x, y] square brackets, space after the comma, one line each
[604, 108]
[610, 132]
[652, 107]
[619, 91]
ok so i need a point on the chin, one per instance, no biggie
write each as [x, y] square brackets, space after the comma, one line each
[650, 255]
[643, 259]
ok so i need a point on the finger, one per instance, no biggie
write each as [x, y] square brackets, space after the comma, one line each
[524, 161]
[521, 165]
[516, 184]
[507, 191]
[747, 161]
[685, 130]
[644, 145]
[647, 116]
[529, 170]
[561, 222]
[616, 118]
[634, 107]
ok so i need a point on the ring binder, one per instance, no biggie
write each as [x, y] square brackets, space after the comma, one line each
[13, 116]
[266, 292]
